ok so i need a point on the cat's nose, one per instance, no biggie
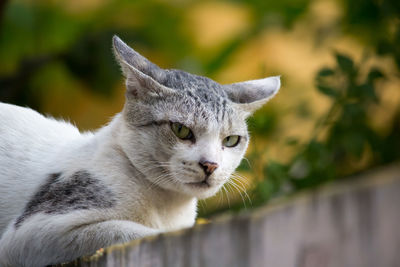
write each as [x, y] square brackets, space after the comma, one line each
[208, 166]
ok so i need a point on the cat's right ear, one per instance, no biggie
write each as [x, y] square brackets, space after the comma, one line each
[251, 95]
[143, 78]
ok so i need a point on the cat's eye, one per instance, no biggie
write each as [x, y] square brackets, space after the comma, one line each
[181, 131]
[231, 141]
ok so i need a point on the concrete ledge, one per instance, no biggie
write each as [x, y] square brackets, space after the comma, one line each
[355, 222]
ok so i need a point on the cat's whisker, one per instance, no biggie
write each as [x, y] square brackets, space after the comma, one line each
[240, 188]
[227, 196]
[232, 187]
[158, 181]
[221, 197]
[202, 204]
[165, 177]
[235, 186]
[248, 162]
[243, 184]
[244, 179]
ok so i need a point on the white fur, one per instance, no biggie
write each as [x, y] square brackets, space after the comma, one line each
[31, 147]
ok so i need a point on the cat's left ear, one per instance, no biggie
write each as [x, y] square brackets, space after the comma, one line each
[143, 78]
[252, 95]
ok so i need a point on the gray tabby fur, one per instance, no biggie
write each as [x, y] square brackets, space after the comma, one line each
[65, 194]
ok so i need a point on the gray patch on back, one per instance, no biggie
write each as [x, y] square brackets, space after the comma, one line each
[56, 196]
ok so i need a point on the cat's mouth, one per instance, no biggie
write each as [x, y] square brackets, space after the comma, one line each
[202, 189]
[202, 184]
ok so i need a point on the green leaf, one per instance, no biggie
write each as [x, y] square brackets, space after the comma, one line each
[374, 74]
[326, 90]
[276, 173]
[325, 72]
[368, 91]
[263, 122]
[345, 63]
[354, 143]
[292, 141]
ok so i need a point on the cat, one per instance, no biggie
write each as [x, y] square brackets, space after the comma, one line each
[65, 194]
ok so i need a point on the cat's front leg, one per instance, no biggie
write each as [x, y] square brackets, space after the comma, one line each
[43, 241]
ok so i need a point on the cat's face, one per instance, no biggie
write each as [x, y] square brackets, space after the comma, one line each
[184, 144]
[184, 132]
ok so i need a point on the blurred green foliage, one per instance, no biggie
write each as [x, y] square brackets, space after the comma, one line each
[375, 22]
[36, 34]
[349, 137]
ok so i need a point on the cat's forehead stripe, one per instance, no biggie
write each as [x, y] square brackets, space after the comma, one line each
[206, 93]
[216, 107]
[223, 108]
[206, 89]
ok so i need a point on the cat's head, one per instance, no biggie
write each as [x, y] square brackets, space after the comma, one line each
[186, 133]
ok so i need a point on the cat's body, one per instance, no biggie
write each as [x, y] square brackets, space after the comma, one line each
[64, 194]
[33, 158]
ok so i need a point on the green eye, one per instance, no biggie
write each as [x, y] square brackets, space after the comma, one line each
[181, 131]
[231, 141]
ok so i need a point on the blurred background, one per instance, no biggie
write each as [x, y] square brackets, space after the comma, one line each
[337, 114]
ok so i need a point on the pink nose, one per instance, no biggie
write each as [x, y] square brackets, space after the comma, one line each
[208, 167]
